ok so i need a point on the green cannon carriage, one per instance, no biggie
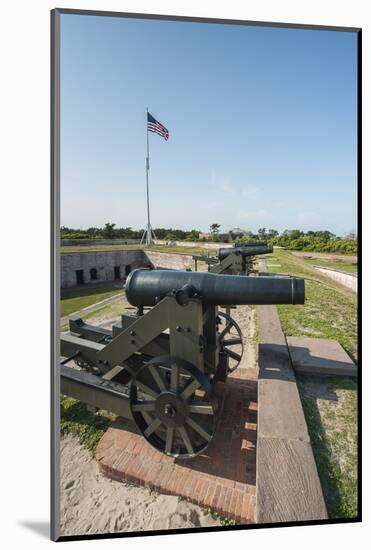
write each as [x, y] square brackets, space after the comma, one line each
[165, 365]
[234, 261]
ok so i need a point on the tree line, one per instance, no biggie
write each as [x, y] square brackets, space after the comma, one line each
[311, 241]
[110, 231]
[292, 239]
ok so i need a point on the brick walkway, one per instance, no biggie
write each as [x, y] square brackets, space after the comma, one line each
[223, 478]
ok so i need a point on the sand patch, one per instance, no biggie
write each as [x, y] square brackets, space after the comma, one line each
[92, 503]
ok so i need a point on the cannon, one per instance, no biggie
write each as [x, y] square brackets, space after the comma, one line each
[239, 260]
[234, 261]
[244, 251]
[250, 243]
[165, 365]
[233, 264]
[147, 287]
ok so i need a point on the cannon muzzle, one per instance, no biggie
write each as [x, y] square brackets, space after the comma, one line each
[244, 251]
[145, 287]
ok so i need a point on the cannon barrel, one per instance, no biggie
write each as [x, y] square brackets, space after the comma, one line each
[250, 243]
[248, 251]
[144, 287]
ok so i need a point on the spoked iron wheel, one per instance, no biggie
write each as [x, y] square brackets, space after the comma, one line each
[173, 406]
[230, 340]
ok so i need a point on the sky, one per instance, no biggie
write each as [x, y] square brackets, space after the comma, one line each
[262, 123]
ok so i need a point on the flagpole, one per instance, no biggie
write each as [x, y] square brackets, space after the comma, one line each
[148, 231]
[149, 235]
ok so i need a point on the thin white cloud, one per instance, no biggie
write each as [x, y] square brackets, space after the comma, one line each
[225, 184]
[262, 216]
[307, 218]
[251, 192]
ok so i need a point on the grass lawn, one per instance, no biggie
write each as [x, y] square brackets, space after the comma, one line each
[95, 316]
[330, 403]
[340, 265]
[74, 299]
[330, 309]
[155, 247]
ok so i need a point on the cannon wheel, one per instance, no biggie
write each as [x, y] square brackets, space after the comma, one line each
[230, 336]
[173, 406]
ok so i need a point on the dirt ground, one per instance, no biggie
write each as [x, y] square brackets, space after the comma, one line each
[325, 256]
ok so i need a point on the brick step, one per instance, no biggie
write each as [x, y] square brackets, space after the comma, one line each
[223, 478]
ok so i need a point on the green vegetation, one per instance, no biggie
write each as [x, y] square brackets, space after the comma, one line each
[293, 239]
[108, 310]
[96, 314]
[315, 241]
[88, 426]
[110, 231]
[330, 408]
[330, 404]
[99, 247]
[330, 310]
[189, 250]
[223, 520]
[339, 264]
[74, 299]
[317, 245]
[310, 241]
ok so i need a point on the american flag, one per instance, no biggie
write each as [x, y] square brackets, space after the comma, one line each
[154, 126]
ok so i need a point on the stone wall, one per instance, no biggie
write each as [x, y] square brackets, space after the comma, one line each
[104, 262]
[169, 261]
[97, 242]
[110, 265]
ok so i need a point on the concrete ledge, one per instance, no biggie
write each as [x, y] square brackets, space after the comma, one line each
[287, 485]
[350, 280]
[320, 356]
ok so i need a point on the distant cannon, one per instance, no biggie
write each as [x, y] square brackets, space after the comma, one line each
[248, 251]
[234, 261]
[163, 367]
[250, 243]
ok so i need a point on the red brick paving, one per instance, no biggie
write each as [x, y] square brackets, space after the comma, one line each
[223, 478]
